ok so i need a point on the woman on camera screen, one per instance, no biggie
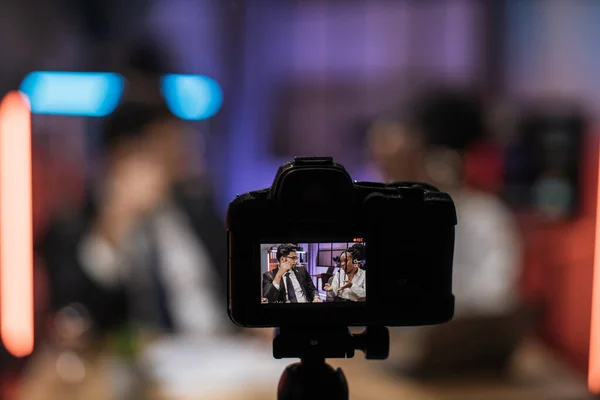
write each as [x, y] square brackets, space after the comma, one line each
[348, 284]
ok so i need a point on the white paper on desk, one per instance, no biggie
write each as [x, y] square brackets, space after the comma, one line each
[185, 367]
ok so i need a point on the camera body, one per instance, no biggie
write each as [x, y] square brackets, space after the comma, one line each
[407, 230]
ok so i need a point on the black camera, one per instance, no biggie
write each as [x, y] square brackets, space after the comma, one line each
[298, 250]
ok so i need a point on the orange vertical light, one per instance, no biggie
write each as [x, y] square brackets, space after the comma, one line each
[594, 366]
[16, 232]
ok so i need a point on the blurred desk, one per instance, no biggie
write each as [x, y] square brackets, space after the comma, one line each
[42, 380]
[180, 378]
[536, 374]
[180, 370]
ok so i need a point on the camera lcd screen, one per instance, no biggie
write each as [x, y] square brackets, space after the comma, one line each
[323, 272]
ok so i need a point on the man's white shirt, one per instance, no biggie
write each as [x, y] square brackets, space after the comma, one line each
[297, 288]
[184, 267]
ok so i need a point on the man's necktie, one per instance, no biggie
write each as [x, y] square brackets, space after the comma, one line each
[290, 288]
[160, 293]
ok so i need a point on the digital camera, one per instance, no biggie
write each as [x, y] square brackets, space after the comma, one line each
[317, 249]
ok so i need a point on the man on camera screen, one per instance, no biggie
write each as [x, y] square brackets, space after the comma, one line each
[289, 283]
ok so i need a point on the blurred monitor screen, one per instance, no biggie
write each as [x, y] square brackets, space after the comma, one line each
[543, 164]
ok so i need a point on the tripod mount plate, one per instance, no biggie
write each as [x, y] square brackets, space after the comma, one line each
[330, 342]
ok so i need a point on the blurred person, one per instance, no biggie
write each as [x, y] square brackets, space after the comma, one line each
[149, 248]
[428, 143]
[289, 283]
[348, 284]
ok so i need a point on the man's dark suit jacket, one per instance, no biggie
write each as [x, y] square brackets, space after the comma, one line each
[274, 295]
[109, 308]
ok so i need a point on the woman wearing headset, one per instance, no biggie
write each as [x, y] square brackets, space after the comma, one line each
[349, 283]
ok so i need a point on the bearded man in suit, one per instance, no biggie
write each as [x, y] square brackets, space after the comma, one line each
[289, 283]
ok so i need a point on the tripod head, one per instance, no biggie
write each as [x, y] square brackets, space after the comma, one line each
[330, 342]
[312, 378]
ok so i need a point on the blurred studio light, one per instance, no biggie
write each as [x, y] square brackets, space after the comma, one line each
[192, 97]
[97, 94]
[89, 94]
[16, 235]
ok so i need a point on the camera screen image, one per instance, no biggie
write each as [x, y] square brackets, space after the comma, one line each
[313, 272]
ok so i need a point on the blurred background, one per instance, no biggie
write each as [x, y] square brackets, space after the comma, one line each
[129, 202]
